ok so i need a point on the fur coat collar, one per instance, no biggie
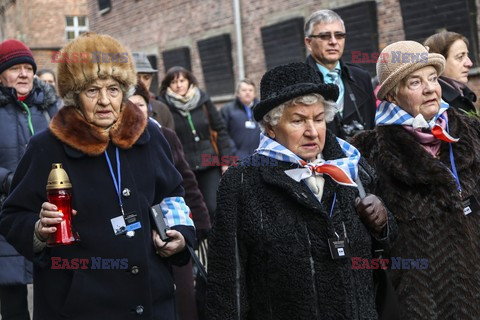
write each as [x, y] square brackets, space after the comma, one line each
[407, 171]
[70, 127]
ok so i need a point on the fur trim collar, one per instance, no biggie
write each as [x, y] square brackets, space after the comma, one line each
[70, 127]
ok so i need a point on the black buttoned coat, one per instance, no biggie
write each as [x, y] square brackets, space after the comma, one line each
[142, 283]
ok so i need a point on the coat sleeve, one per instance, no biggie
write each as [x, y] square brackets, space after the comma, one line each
[193, 196]
[217, 124]
[225, 112]
[226, 294]
[22, 207]
[369, 179]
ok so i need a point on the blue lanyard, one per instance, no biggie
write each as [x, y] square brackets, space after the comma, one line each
[248, 110]
[333, 204]
[452, 161]
[118, 185]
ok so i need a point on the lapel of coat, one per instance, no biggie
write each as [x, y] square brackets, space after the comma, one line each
[276, 177]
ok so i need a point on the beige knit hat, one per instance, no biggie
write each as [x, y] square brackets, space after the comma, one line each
[401, 58]
[90, 57]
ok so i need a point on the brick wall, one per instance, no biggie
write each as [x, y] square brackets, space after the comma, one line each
[41, 25]
[155, 26]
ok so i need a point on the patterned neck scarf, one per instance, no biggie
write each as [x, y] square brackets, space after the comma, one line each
[184, 103]
[389, 114]
[343, 171]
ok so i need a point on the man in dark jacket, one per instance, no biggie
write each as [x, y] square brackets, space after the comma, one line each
[238, 116]
[156, 109]
[325, 39]
[26, 106]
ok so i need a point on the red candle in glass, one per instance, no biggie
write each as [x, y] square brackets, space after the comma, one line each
[59, 192]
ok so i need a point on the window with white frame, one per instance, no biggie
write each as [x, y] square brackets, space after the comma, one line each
[75, 26]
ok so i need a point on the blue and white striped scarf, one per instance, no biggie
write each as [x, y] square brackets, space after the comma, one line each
[349, 165]
[389, 113]
[176, 212]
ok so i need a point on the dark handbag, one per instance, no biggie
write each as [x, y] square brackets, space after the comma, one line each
[386, 300]
[213, 133]
[200, 275]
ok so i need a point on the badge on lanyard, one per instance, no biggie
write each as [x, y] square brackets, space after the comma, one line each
[132, 221]
[339, 249]
[250, 124]
[125, 223]
[118, 225]
[470, 205]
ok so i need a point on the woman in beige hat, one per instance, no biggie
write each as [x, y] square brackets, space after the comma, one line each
[426, 157]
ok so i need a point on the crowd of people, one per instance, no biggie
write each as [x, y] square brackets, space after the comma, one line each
[330, 172]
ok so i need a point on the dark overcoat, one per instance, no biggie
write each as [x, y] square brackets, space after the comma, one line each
[14, 137]
[195, 149]
[269, 257]
[422, 193]
[141, 282]
[244, 140]
[359, 81]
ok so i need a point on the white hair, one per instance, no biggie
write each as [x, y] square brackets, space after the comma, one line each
[273, 116]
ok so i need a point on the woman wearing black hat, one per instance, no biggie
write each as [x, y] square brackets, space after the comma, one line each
[289, 222]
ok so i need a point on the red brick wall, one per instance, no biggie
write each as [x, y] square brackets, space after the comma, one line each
[40, 24]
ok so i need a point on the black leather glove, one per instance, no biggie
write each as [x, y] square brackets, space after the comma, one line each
[7, 182]
[372, 212]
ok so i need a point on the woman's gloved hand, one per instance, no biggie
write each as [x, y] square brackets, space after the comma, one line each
[372, 212]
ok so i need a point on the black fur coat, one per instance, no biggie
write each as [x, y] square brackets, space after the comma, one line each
[268, 253]
[422, 193]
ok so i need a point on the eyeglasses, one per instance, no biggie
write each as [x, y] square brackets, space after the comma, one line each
[94, 92]
[325, 36]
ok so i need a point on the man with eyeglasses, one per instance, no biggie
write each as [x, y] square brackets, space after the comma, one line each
[325, 40]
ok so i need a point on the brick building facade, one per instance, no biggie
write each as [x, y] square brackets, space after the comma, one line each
[202, 34]
[40, 24]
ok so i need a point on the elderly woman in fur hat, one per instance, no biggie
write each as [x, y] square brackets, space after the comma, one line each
[289, 222]
[426, 157]
[119, 166]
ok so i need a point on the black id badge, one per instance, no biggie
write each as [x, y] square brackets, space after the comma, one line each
[339, 249]
[471, 205]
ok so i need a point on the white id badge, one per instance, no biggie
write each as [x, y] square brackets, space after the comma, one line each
[118, 225]
[250, 124]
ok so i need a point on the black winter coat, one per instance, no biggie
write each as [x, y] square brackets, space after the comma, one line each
[361, 86]
[194, 150]
[422, 193]
[14, 137]
[454, 99]
[244, 140]
[268, 253]
[142, 284]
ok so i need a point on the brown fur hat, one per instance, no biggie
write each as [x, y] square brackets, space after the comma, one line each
[90, 57]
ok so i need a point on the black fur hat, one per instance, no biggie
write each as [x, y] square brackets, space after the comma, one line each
[289, 81]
